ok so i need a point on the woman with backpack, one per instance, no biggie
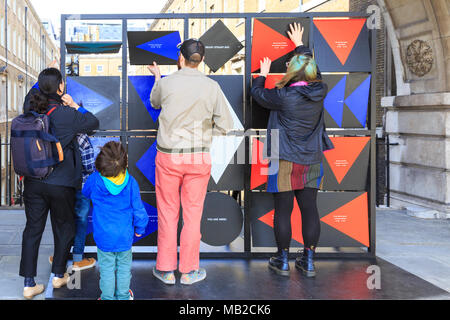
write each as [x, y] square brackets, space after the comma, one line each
[55, 192]
[296, 128]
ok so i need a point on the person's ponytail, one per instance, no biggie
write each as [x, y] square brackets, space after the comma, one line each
[39, 103]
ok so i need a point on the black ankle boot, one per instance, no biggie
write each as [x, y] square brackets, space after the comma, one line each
[305, 263]
[280, 263]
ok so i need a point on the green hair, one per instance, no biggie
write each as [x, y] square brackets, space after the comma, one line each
[301, 68]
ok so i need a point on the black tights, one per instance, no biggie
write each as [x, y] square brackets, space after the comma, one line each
[284, 204]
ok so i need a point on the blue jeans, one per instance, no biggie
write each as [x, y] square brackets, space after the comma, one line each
[115, 274]
[82, 206]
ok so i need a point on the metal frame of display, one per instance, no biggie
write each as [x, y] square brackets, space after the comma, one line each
[248, 17]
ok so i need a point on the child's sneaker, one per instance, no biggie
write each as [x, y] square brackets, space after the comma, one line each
[168, 277]
[131, 296]
[193, 276]
[84, 264]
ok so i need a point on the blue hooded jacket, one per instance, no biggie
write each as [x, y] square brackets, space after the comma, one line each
[117, 214]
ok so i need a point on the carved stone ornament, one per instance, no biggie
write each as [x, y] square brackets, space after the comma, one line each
[419, 57]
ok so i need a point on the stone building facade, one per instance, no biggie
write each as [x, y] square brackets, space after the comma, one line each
[418, 113]
[25, 49]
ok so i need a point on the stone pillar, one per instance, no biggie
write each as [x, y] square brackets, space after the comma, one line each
[420, 164]
[418, 118]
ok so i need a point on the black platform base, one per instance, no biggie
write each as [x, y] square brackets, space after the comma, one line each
[238, 279]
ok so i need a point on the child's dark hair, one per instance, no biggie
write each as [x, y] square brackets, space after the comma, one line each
[49, 81]
[112, 159]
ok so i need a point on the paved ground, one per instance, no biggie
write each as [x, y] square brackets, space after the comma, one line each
[421, 247]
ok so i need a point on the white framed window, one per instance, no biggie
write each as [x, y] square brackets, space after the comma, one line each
[87, 68]
[2, 31]
[9, 94]
[100, 68]
[261, 5]
[241, 10]
[14, 43]
[14, 106]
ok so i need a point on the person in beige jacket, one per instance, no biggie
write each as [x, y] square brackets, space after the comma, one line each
[193, 110]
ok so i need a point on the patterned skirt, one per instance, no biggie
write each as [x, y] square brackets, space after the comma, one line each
[291, 176]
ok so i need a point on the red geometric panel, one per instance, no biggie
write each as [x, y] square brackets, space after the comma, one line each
[341, 35]
[351, 219]
[296, 222]
[343, 220]
[268, 43]
[260, 166]
[271, 80]
[343, 156]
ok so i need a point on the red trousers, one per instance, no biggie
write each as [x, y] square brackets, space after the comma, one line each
[180, 179]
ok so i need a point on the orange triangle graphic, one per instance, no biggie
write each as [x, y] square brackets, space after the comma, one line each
[343, 156]
[351, 219]
[296, 222]
[259, 172]
[341, 35]
[268, 43]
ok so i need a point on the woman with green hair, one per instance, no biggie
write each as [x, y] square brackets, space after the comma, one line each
[296, 140]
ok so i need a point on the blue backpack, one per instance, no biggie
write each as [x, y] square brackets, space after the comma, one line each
[35, 150]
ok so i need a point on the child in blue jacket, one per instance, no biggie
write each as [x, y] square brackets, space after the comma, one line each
[118, 215]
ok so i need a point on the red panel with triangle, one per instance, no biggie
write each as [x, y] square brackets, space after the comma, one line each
[271, 80]
[340, 35]
[270, 39]
[259, 165]
[296, 221]
[344, 154]
[342, 45]
[351, 219]
[345, 167]
[344, 220]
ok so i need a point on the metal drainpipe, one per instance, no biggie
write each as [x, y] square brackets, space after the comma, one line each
[26, 49]
[7, 182]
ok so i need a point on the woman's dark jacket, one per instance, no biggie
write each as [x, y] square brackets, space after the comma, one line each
[297, 113]
[66, 123]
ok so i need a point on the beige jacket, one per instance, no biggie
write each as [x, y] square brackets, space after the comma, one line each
[193, 109]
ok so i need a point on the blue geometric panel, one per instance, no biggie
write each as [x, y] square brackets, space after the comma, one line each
[143, 86]
[152, 225]
[92, 101]
[358, 100]
[99, 95]
[99, 142]
[334, 101]
[164, 46]
[146, 164]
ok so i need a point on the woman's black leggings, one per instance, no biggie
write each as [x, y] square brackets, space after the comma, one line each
[284, 204]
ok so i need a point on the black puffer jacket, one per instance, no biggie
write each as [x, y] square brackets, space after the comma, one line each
[297, 113]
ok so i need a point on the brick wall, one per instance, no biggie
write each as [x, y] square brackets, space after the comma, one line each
[361, 6]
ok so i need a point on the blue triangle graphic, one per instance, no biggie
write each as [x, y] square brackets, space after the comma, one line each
[152, 225]
[358, 101]
[164, 46]
[144, 86]
[146, 164]
[92, 101]
[334, 101]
